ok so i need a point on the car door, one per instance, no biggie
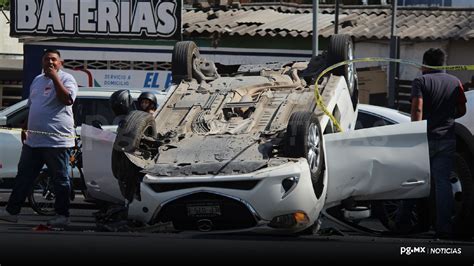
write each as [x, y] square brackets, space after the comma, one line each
[10, 139]
[387, 162]
[10, 150]
[97, 147]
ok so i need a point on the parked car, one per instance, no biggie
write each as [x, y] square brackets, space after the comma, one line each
[373, 116]
[462, 179]
[91, 107]
[252, 150]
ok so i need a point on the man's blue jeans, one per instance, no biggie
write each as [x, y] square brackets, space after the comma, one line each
[441, 165]
[31, 162]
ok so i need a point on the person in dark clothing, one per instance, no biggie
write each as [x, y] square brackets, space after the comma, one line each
[439, 98]
[147, 102]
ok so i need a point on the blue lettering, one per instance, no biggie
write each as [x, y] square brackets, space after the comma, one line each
[168, 81]
[155, 84]
[147, 80]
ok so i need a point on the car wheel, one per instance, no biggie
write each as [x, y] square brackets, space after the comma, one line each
[42, 196]
[182, 60]
[341, 49]
[134, 134]
[304, 138]
[421, 218]
[418, 221]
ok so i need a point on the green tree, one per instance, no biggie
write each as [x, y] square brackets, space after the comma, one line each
[5, 4]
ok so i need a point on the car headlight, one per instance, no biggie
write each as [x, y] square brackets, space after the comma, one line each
[292, 220]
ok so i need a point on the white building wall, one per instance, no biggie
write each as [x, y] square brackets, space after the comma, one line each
[410, 51]
[11, 50]
[461, 52]
[11, 59]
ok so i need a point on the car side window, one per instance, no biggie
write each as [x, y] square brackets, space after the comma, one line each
[368, 120]
[89, 111]
[17, 119]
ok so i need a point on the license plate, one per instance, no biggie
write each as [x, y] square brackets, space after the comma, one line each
[203, 210]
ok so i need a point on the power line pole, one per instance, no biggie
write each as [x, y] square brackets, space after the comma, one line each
[315, 27]
[336, 19]
[394, 42]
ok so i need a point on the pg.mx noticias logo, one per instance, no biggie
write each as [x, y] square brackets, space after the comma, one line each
[412, 250]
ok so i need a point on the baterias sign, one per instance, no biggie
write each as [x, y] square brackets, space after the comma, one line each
[141, 19]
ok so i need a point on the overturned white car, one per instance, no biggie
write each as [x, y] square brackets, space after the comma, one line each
[253, 151]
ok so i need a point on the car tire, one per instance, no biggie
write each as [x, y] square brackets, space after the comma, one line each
[420, 220]
[182, 60]
[304, 138]
[42, 196]
[131, 131]
[424, 213]
[341, 49]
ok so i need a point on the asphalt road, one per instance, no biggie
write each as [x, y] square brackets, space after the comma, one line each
[83, 242]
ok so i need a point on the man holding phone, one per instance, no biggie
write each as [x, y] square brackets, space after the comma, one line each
[47, 138]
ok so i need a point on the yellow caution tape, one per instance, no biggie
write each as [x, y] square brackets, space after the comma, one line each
[321, 104]
[40, 132]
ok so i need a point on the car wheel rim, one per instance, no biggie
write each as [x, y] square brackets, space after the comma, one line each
[148, 132]
[457, 191]
[350, 68]
[314, 146]
[392, 209]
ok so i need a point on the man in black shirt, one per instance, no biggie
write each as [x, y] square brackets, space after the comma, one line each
[439, 98]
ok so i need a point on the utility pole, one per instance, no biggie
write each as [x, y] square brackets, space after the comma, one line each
[394, 42]
[336, 19]
[315, 27]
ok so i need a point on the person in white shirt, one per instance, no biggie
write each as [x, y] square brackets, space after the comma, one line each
[47, 139]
